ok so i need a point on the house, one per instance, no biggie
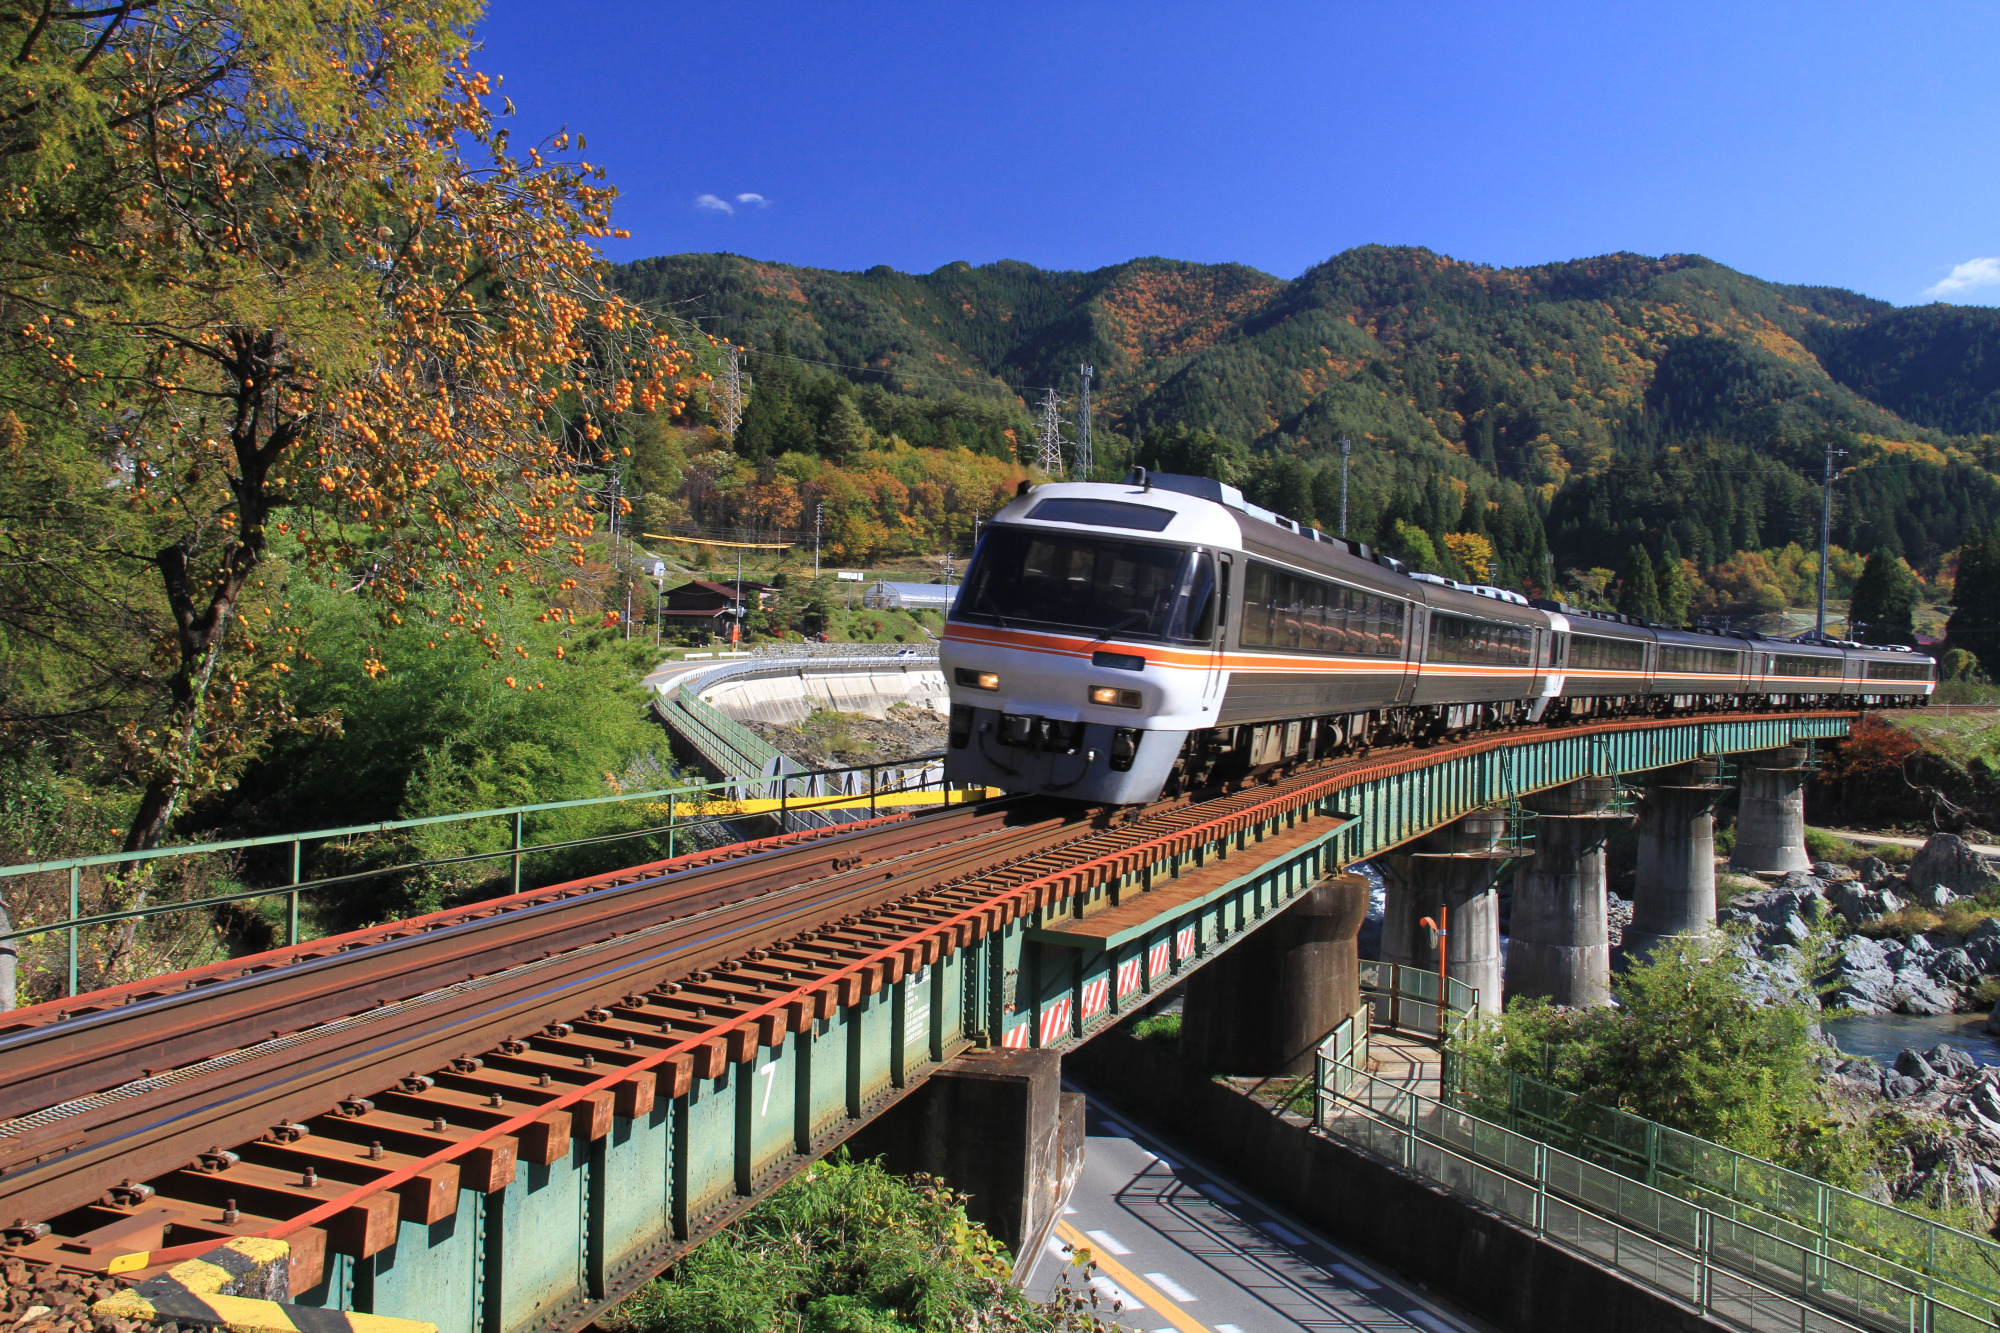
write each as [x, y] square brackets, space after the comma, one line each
[702, 600]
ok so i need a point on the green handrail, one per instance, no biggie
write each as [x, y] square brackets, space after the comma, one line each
[1732, 1182]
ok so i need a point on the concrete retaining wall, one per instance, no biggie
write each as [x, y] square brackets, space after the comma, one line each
[786, 695]
[1475, 1258]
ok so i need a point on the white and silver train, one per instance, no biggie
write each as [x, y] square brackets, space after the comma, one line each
[1112, 642]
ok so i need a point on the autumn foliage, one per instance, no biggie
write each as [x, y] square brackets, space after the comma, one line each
[283, 268]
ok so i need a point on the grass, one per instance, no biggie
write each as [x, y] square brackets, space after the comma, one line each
[1960, 918]
[1163, 1028]
[1728, 887]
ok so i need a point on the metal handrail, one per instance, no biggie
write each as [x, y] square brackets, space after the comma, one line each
[705, 797]
[1556, 1193]
[1738, 1183]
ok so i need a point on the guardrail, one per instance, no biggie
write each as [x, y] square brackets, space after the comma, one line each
[663, 814]
[1858, 1231]
[1405, 997]
[1738, 1273]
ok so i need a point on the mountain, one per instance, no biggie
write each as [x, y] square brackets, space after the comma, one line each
[1593, 386]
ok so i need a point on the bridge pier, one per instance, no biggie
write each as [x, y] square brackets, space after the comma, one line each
[1771, 812]
[1559, 946]
[1455, 867]
[1674, 886]
[995, 1125]
[1264, 1006]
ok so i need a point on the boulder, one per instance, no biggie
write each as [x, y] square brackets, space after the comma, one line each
[1918, 993]
[1780, 915]
[1858, 904]
[1831, 872]
[1946, 861]
[1871, 869]
[1951, 1062]
[1992, 1026]
[1896, 1086]
[1911, 1063]
[1933, 899]
[1866, 977]
[1801, 879]
[1954, 966]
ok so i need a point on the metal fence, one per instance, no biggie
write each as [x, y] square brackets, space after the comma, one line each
[1400, 996]
[671, 814]
[1858, 1231]
[1745, 1276]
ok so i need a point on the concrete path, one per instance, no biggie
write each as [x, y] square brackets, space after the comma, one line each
[1897, 840]
[1185, 1250]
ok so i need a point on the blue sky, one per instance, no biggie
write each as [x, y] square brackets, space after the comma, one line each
[1842, 144]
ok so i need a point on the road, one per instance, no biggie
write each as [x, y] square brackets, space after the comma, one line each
[1184, 1249]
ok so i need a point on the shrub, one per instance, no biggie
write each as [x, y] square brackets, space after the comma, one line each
[1902, 925]
[847, 1248]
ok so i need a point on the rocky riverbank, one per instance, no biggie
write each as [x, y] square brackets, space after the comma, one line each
[1900, 952]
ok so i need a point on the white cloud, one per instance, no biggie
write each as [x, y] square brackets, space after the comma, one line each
[710, 201]
[748, 199]
[1965, 277]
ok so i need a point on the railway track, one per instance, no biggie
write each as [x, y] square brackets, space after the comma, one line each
[325, 1093]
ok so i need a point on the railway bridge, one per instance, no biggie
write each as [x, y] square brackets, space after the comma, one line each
[502, 1117]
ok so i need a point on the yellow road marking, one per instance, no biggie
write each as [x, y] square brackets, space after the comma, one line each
[1130, 1281]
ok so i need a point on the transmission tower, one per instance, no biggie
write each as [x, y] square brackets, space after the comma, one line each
[729, 393]
[1049, 434]
[1085, 461]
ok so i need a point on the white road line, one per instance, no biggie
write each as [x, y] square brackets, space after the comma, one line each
[1283, 1233]
[1172, 1288]
[1111, 1291]
[1358, 1280]
[1219, 1194]
[1109, 1242]
[1069, 1212]
[1227, 1328]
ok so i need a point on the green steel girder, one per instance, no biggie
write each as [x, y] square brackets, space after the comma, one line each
[556, 1245]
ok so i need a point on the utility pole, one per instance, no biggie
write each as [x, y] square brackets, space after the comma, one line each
[1346, 448]
[1084, 459]
[729, 394]
[819, 511]
[1050, 434]
[1825, 528]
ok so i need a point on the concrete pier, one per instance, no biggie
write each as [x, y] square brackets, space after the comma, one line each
[1771, 812]
[1455, 867]
[998, 1126]
[1557, 946]
[1263, 1007]
[1674, 886]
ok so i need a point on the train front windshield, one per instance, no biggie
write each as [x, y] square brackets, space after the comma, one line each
[1031, 576]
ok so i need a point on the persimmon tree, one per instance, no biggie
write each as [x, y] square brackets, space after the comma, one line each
[278, 264]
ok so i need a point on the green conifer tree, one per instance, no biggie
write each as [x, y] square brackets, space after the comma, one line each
[1974, 626]
[1676, 589]
[1885, 601]
[1638, 591]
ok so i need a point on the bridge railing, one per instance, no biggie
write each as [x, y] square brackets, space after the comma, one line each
[1400, 996]
[1859, 1231]
[663, 823]
[1745, 1276]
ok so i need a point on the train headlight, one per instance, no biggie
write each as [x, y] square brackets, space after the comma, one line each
[978, 680]
[1112, 696]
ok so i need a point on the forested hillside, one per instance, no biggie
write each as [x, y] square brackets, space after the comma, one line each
[1579, 409]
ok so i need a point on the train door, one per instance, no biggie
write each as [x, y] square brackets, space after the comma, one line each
[1217, 675]
[1413, 652]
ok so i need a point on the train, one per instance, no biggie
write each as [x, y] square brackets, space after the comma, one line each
[1115, 642]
